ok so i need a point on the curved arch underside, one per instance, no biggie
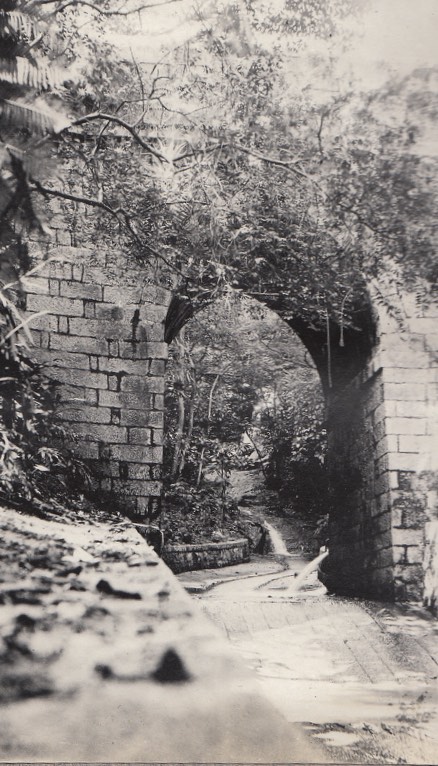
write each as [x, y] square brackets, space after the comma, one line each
[376, 388]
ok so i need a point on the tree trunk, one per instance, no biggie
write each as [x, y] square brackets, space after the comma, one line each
[179, 385]
[259, 454]
[189, 420]
[210, 407]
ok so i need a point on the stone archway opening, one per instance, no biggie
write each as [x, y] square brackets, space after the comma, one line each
[376, 375]
[243, 397]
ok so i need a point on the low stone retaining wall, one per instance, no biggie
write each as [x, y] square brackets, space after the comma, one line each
[106, 659]
[184, 558]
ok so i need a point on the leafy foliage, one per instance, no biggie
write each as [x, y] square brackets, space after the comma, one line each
[295, 438]
[236, 174]
[26, 119]
[194, 514]
[33, 463]
[241, 391]
[218, 368]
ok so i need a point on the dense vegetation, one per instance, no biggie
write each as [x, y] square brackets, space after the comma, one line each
[242, 394]
[250, 162]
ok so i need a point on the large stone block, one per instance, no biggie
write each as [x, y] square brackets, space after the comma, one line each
[144, 350]
[414, 443]
[36, 285]
[403, 461]
[109, 434]
[80, 377]
[139, 435]
[70, 289]
[80, 345]
[140, 384]
[82, 413]
[141, 418]
[97, 328]
[412, 409]
[406, 374]
[126, 366]
[406, 391]
[137, 454]
[153, 313]
[53, 305]
[407, 536]
[157, 367]
[407, 425]
[63, 359]
[108, 312]
[117, 295]
[124, 399]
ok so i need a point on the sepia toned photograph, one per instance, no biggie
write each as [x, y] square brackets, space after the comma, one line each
[219, 382]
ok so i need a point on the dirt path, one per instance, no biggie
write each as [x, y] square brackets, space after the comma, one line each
[259, 504]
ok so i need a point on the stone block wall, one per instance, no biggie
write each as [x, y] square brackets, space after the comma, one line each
[360, 514]
[383, 463]
[102, 338]
[97, 318]
[184, 558]
[411, 406]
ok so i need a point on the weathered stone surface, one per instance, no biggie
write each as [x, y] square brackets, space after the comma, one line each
[139, 436]
[96, 654]
[184, 558]
[407, 425]
[74, 290]
[54, 305]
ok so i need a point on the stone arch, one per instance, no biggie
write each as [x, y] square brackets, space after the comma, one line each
[380, 387]
[105, 340]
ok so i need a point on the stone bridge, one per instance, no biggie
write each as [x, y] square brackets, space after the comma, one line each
[103, 338]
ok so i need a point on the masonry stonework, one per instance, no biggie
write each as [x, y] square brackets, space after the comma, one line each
[98, 322]
[383, 462]
[184, 558]
[102, 338]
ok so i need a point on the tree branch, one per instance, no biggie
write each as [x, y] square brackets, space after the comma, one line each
[115, 213]
[272, 161]
[105, 11]
[93, 116]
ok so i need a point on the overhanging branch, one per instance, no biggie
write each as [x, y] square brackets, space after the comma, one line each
[123, 124]
[116, 213]
[105, 11]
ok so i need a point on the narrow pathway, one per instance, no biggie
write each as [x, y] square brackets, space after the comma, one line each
[360, 677]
